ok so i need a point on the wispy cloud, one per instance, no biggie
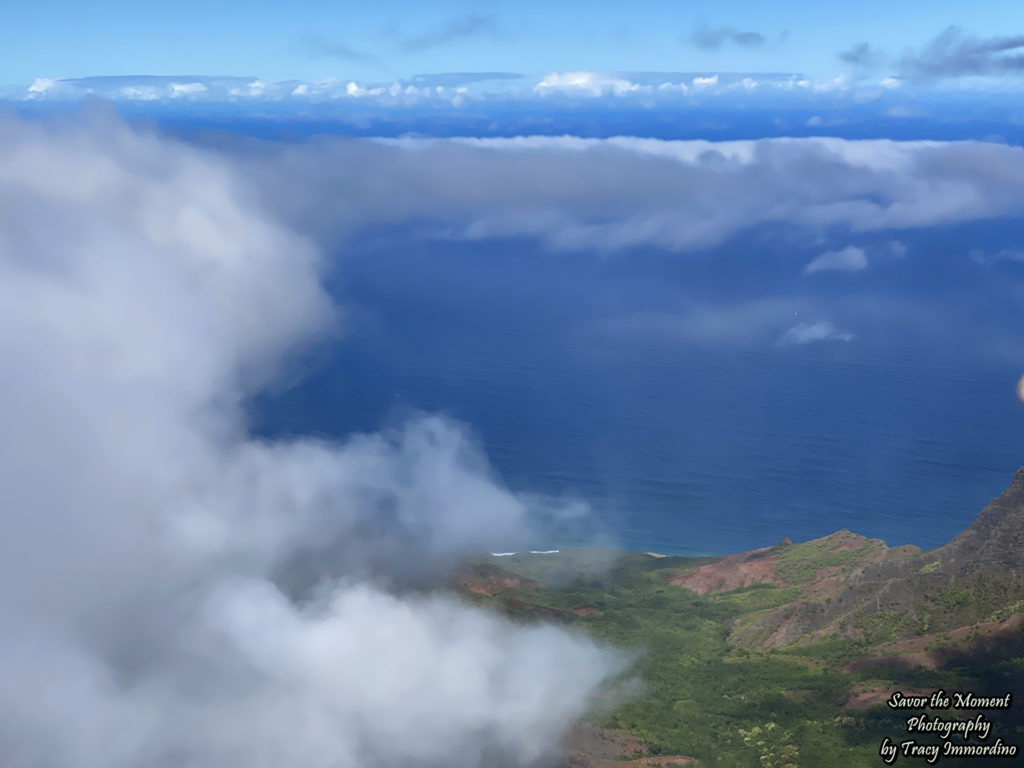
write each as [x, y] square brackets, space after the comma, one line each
[953, 53]
[711, 38]
[322, 47]
[862, 56]
[1004, 254]
[460, 28]
[849, 259]
[455, 79]
[811, 333]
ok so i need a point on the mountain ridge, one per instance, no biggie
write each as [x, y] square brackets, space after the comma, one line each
[790, 650]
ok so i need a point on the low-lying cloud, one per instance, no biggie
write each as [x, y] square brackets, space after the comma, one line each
[153, 608]
[338, 97]
[849, 259]
[1003, 254]
[810, 333]
[613, 194]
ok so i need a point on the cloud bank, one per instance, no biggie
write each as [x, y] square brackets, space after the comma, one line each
[432, 90]
[613, 194]
[153, 605]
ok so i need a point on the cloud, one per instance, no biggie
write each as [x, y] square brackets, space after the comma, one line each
[952, 53]
[186, 89]
[463, 27]
[809, 333]
[838, 83]
[896, 249]
[589, 83]
[817, 121]
[862, 56]
[901, 112]
[151, 88]
[175, 592]
[712, 38]
[455, 79]
[754, 321]
[321, 47]
[765, 321]
[42, 85]
[644, 90]
[644, 86]
[849, 259]
[1005, 254]
[613, 194]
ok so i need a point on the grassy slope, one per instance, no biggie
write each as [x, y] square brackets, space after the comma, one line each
[706, 696]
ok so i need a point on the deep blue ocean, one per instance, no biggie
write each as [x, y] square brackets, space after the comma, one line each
[586, 376]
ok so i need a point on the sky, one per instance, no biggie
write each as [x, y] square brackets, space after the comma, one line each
[388, 40]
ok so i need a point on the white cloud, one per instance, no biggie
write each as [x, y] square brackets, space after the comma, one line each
[840, 82]
[809, 333]
[186, 89]
[637, 88]
[140, 93]
[589, 83]
[354, 89]
[613, 194]
[849, 259]
[152, 553]
[42, 85]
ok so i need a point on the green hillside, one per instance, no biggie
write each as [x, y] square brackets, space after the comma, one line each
[790, 670]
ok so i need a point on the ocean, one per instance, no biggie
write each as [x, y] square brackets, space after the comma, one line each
[687, 431]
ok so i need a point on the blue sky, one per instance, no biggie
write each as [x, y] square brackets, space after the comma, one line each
[392, 39]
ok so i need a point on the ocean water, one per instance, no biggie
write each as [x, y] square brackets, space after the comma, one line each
[688, 432]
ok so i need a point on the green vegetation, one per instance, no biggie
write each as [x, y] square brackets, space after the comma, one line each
[745, 706]
[800, 563]
[1006, 612]
[881, 627]
[954, 598]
